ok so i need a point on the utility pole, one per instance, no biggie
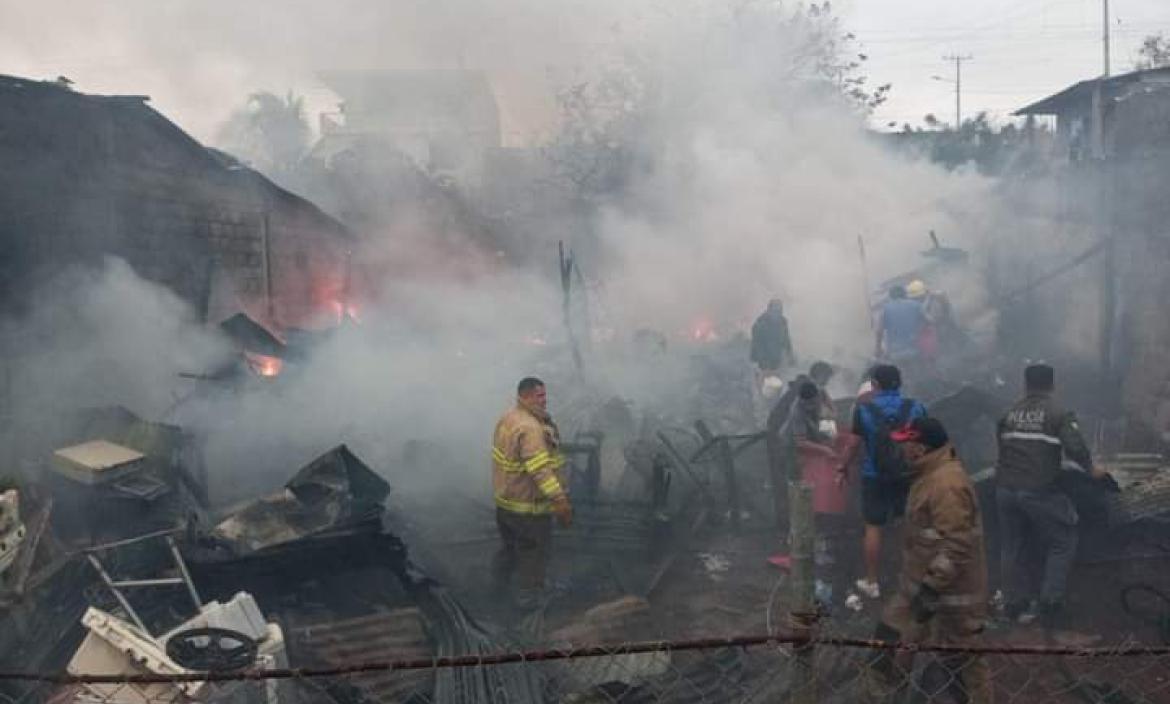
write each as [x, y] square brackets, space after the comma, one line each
[1105, 35]
[958, 86]
[1107, 193]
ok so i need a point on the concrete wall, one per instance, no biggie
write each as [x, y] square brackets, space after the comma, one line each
[1141, 220]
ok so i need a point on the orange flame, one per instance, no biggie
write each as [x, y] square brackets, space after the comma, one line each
[703, 330]
[264, 365]
[341, 311]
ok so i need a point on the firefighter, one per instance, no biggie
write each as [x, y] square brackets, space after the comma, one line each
[1033, 436]
[942, 591]
[529, 489]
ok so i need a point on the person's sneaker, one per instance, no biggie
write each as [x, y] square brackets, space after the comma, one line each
[1028, 615]
[868, 588]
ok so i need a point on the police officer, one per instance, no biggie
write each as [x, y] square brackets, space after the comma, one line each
[1033, 437]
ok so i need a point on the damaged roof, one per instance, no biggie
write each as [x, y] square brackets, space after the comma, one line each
[1080, 95]
[56, 101]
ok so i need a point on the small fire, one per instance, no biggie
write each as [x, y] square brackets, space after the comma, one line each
[264, 365]
[342, 310]
[703, 330]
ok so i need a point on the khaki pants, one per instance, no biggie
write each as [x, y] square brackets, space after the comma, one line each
[947, 677]
[524, 546]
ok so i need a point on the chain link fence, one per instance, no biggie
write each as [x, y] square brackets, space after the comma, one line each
[743, 669]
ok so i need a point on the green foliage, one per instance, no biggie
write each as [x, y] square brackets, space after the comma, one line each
[269, 132]
[1153, 53]
[992, 150]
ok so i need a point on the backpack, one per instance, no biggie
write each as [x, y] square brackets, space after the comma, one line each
[887, 457]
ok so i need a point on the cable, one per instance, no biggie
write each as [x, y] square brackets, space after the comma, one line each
[771, 600]
[1161, 621]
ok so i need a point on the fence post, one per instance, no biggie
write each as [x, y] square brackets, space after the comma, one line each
[801, 541]
[727, 462]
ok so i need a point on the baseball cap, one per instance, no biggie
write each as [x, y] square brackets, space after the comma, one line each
[928, 431]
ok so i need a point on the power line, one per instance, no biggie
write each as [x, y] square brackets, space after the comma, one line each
[958, 85]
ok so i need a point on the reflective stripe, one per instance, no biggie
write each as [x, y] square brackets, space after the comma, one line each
[941, 563]
[543, 459]
[959, 600]
[1039, 437]
[550, 487]
[504, 463]
[527, 507]
[537, 462]
[499, 456]
[955, 600]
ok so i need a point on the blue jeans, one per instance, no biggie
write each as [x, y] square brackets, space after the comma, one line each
[1047, 515]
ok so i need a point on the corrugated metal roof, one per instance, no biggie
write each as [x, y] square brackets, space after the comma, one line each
[1061, 102]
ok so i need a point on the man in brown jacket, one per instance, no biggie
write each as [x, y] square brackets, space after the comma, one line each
[942, 593]
[529, 488]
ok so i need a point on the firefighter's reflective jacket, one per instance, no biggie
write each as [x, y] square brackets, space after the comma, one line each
[1033, 436]
[527, 464]
[942, 545]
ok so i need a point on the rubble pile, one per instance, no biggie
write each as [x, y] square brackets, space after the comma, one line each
[399, 634]
[673, 522]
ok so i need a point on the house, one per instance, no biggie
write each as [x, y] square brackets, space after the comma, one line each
[1135, 108]
[446, 121]
[1108, 195]
[83, 177]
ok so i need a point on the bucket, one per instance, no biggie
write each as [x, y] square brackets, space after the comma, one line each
[819, 465]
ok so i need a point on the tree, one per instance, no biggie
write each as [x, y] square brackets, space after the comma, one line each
[269, 132]
[592, 152]
[1153, 53]
[826, 52]
[761, 52]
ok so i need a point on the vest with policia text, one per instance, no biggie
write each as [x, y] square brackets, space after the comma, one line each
[1034, 436]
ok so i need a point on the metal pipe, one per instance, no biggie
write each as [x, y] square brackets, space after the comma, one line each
[132, 583]
[134, 540]
[802, 537]
[97, 565]
[186, 575]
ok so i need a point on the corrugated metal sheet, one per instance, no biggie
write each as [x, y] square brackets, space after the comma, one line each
[391, 635]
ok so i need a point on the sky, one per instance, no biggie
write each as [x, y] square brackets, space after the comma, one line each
[1022, 50]
[197, 60]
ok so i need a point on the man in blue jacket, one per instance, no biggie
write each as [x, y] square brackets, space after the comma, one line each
[883, 497]
[900, 327]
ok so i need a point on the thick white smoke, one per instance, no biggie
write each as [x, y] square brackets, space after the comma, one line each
[752, 183]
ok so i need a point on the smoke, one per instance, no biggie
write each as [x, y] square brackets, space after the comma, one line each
[760, 181]
[753, 178]
[200, 60]
[102, 337]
